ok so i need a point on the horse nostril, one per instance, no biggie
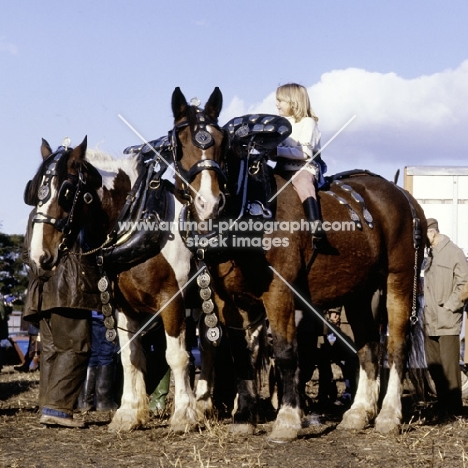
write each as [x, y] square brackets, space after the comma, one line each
[201, 203]
[46, 261]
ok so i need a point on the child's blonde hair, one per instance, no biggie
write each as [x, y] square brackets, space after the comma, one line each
[298, 98]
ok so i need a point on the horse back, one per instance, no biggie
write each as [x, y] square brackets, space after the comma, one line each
[359, 256]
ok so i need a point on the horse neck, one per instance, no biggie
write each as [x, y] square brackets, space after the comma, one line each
[118, 177]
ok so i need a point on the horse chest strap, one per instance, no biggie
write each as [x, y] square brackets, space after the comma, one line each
[209, 316]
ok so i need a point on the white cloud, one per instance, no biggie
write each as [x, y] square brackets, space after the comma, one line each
[234, 109]
[379, 99]
[399, 122]
[238, 107]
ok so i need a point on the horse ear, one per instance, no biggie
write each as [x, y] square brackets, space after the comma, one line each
[79, 152]
[179, 104]
[46, 150]
[214, 104]
[84, 143]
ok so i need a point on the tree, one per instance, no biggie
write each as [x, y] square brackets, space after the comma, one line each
[13, 273]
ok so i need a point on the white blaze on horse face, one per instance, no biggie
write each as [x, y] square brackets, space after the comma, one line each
[37, 252]
[206, 202]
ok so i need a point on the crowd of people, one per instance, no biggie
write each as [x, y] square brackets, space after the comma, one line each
[79, 365]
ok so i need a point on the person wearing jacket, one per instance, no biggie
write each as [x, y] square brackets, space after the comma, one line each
[61, 302]
[445, 274]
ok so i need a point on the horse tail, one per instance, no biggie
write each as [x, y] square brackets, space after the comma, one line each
[416, 365]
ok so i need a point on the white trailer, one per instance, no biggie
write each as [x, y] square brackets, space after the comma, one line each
[442, 191]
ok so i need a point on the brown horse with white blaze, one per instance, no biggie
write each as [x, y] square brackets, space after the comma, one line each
[197, 137]
[79, 194]
[374, 243]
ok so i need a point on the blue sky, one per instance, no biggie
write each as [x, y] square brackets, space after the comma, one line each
[70, 68]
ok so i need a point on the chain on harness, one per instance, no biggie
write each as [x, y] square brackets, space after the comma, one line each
[417, 238]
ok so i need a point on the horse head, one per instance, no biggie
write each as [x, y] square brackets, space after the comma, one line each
[199, 145]
[63, 192]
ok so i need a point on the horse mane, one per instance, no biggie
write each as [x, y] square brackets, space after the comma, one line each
[110, 166]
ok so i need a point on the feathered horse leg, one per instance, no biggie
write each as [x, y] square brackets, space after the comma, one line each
[133, 411]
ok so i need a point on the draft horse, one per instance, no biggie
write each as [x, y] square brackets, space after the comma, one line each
[80, 195]
[373, 244]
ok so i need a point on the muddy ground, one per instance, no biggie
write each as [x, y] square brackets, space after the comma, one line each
[24, 443]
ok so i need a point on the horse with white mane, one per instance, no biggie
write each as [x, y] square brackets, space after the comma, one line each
[79, 206]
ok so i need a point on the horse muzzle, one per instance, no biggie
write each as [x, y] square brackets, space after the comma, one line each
[209, 207]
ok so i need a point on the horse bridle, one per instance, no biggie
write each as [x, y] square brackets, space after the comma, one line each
[201, 138]
[68, 196]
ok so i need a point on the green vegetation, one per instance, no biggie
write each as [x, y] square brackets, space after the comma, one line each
[13, 273]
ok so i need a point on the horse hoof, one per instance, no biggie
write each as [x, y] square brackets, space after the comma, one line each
[205, 407]
[388, 429]
[122, 427]
[387, 425]
[126, 420]
[185, 420]
[242, 429]
[282, 435]
[353, 420]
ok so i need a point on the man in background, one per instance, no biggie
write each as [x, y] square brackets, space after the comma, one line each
[445, 274]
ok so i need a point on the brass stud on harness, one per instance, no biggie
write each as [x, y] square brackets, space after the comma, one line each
[213, 334]
[208, 306]
[103, 283]
[109, 322]
[107, 309]
[203, 280]
[105, 297]
[211, 320]
[205, 293]
[111, 334]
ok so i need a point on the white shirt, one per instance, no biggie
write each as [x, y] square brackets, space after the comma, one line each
[304, 139]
